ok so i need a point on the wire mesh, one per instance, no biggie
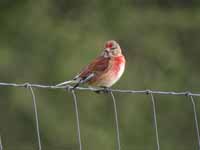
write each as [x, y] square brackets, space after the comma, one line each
[116, 121]
[155, 121]
[1, 145]
[195, 120]
[111, 91]
[36, 116]
[77, 120]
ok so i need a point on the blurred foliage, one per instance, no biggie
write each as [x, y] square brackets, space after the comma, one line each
[49, 41]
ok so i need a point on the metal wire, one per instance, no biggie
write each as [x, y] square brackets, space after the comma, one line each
[36, 116]
[77, 120]
[95, 89]
[151, 92]
[1, 145]
[155, 121]
[196, 120]
[116, 121]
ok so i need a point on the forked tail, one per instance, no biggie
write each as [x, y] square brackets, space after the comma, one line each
[77, 80]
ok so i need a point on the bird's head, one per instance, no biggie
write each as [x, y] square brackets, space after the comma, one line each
[112, 48]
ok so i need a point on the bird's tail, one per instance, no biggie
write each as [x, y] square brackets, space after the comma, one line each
[66, 82]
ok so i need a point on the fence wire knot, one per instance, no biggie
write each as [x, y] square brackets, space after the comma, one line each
[26, 84]
[187, 93]
[68, 88]
[148, 91]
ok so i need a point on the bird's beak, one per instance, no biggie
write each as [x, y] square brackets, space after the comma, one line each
[106, 50]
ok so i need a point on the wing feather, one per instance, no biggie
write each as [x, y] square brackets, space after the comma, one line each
[99, 65]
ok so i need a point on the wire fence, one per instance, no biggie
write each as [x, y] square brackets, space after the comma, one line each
[30, 87]
[1, 146]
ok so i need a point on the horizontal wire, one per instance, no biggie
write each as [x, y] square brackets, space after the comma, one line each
[147, 91]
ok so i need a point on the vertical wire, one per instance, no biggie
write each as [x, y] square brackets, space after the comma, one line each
[77, 120]
[1, 145]
[36, 117]
[116, 121]
[196, 120]
[155, 121]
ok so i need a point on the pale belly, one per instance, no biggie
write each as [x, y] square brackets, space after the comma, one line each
[111, 77]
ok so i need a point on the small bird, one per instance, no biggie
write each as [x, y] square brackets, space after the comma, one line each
[104, 71]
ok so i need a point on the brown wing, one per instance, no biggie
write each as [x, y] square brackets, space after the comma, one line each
[99, 65]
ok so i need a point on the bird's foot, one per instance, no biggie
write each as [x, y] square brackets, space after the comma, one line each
[104, 90]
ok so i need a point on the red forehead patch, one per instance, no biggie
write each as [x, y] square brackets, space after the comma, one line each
[109, 45]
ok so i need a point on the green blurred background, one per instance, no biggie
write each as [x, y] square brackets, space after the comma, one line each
[49, 41]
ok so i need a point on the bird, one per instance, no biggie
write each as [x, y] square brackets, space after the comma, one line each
[104, 71]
